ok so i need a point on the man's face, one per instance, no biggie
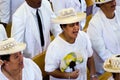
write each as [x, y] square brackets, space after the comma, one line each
[34, 3]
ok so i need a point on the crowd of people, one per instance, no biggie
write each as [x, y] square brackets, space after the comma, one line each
[72, 52]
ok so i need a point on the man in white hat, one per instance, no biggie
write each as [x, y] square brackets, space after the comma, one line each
[104, 32]
[71, 42]
[13, 66]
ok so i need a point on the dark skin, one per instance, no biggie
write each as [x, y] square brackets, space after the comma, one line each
[108, 8]
[34, 3]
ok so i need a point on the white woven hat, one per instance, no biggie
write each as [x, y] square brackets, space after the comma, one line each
[101, 1]
[10, 46]
[66, 16]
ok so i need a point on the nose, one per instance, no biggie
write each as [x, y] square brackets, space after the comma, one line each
[76, 26]
[20, 55]
[114, 2]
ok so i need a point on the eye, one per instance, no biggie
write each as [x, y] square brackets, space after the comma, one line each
[16, 56]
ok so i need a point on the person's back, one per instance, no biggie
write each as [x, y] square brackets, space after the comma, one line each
[25, 26]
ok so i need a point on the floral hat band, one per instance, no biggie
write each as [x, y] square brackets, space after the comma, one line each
[10, 46]
[67, 16]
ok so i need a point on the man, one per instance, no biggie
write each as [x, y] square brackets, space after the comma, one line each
[25, 27]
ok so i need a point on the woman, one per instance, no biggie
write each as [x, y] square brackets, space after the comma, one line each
[72, 43]
[104, 32]
[14, 66]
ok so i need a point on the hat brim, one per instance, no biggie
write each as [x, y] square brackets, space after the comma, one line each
[102, 2]
[17, 48]
[68, 20]
[110, 69]
[107, 68]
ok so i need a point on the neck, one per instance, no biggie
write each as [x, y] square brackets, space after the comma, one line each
[12, 75]
[108, 14]
[67, 38]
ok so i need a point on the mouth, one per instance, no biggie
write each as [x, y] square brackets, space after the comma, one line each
[21, 64]
[75, 32]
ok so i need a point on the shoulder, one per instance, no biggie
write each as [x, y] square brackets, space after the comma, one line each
[24, 8]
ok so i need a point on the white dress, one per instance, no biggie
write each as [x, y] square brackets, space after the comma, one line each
[60, 48]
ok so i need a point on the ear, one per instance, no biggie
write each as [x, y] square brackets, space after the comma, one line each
[1, 62]
[5, 62]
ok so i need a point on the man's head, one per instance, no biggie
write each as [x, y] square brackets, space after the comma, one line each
[34, 3]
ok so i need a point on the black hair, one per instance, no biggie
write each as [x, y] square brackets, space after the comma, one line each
[5, 57]
[97, 5]
[63, 25]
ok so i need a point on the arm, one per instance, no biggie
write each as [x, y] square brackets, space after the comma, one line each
[3, 34]
[64, 75]
[4, 11]
[18, 28]
[91, 67]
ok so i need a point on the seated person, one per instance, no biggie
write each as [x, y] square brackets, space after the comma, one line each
[73, 46]
[104, 32]
[13, 65]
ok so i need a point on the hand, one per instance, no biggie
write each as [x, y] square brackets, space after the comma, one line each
[95, 78]
[74, 74]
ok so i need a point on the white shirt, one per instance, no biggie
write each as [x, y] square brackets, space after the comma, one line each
[3, 34]
[30, 71]
[4, 11]
[25, 27]
[105, 36]
[59, 48]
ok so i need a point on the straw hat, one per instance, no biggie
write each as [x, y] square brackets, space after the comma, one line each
[101, 1]
[68, 15]
[10, 46]
[112, 64]
[65, 62]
